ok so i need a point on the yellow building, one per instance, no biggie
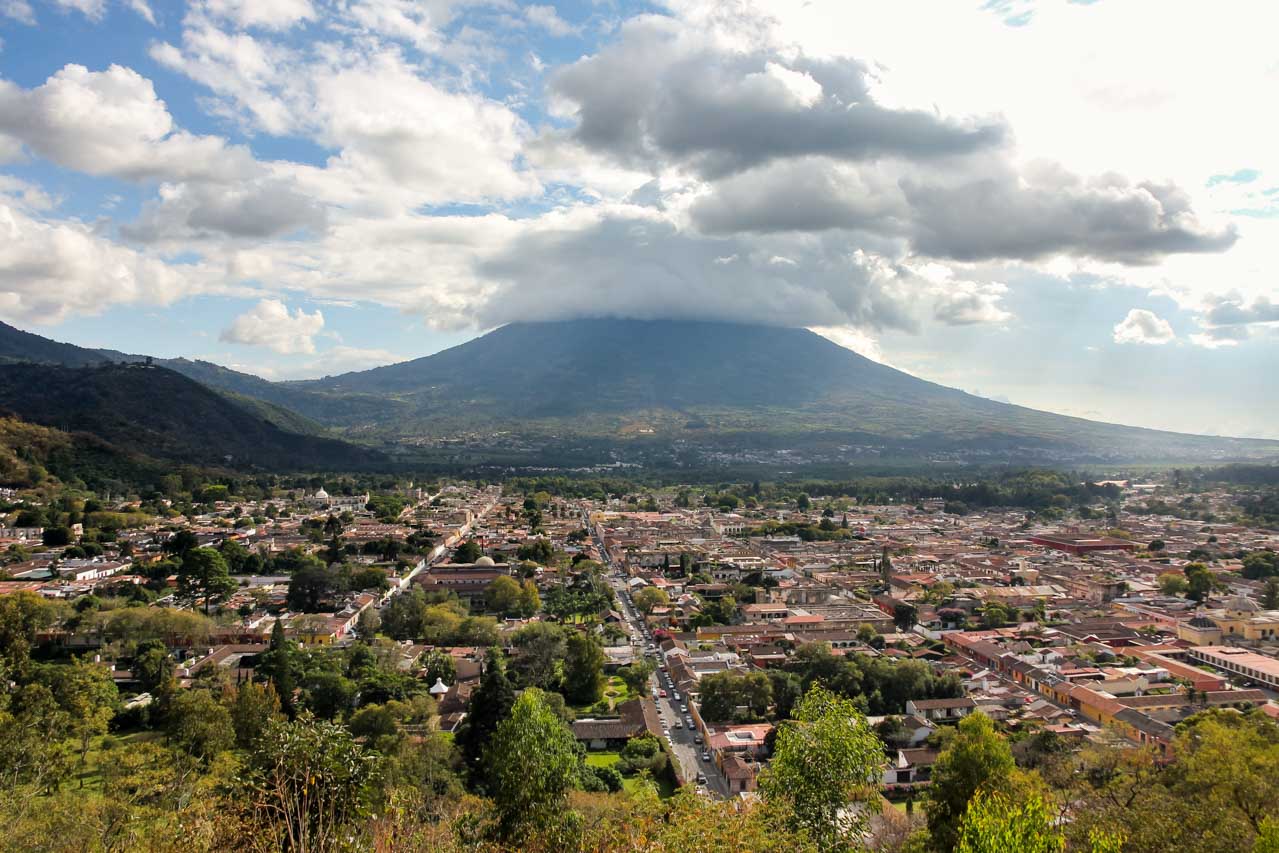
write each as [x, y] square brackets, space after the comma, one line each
[1241, 618]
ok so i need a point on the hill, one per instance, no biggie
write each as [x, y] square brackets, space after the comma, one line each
[725, 387]
[658, 393]
[159, 414]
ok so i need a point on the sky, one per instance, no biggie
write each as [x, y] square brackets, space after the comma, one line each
[1067, 205]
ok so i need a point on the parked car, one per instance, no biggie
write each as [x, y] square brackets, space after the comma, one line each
[662, 693]
[706, 755]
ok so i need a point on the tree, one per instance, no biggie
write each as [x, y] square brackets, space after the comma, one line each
[181, 542]
[885, 567]
[976, 758]
[204, 574]
[1270, 594]
[994, 824]
[531, 764]
[314, 585]
[22, 614]
[503, 596]
[439, 665]
[1200, 581]
[825, 758]
[56, 537]
[1172, 583]
[329, 693]
[152, 665]
[650, 597]
[904, 616]
[254, 707]
[724, 693]
[1155, 546]
[490, 704]
[87, 694]
[468, 552]
[530, 600]
[539, 551]
[803, 503]
[309, 786]
[540, 650]
[280, 667]
[636, 675]
[199, 725]
[583, 669]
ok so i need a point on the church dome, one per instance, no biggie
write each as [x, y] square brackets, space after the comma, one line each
[1242, 604]
[485, 561]
[439, 688]
[322, 495]
[1202, 622]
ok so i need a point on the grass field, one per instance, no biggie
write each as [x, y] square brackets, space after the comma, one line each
[607, 758]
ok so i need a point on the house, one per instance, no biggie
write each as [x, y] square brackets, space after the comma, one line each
[635, 718]
[944, 710]
[910, 766]
[740, 774]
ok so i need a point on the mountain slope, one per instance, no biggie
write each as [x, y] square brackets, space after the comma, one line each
[161, 414]
[703, 391]
[760, 385]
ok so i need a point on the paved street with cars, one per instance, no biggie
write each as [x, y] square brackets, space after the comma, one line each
[679, 729]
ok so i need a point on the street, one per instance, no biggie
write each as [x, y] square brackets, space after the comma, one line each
[683, 740]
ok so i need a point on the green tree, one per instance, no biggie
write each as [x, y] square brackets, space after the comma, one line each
[503, 596]
[994, 824]
[490, 704]
[1200, 581]
[254, 707]
[314, 586]
[905, 616]
[637, 674]
[1172, 583]
[540, 648]
[309, 786]
[152, 665]
[1270, 594]
[724, 693]
[650, 597]
[825, 758]
[583, 669]
[468, 552]
[530, 600]
[203, 573]
[199, 725]
[279, 666]
[88, 695]
[532, 764]
[976, 758]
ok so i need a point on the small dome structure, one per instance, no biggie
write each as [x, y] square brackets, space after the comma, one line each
[485, 561]
[1242, 604]
[321, 495]
[439, 688]
[1202, 622]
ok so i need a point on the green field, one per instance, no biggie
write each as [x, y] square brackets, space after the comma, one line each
[630, 784]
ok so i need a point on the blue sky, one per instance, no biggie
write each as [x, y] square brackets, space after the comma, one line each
[302, 187]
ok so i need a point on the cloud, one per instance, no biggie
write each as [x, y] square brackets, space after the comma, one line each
[270, 324]
[266, 14]
[18, 10]
[50, 270]
[1143, 327]
[261, 209]
[548, 19]
[967, 303]
[1233, 312]
[852, 338]
[629, 262]
[112, 123]
[663, 94]
[1048, 211]
[91, 9]
[143, 9]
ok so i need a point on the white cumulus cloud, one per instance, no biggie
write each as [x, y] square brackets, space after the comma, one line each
[1143, 327]
[270, 324]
